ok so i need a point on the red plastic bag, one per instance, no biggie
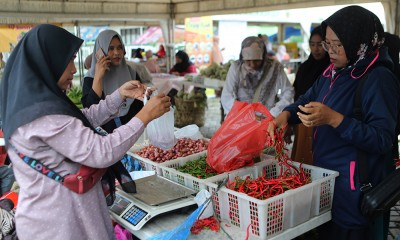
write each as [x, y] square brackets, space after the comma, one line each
[241, 137]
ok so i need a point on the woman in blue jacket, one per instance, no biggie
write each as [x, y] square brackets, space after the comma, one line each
[353, 40]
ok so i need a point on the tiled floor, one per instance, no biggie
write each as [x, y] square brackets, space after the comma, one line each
[212, 123]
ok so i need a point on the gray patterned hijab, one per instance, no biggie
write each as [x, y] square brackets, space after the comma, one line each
[117, 75]
[249, 78]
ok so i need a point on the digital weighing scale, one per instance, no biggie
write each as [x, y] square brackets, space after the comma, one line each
[155, 195]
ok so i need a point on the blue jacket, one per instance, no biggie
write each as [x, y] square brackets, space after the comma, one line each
[336, 148]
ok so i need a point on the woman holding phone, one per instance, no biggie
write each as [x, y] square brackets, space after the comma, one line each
[107, 73]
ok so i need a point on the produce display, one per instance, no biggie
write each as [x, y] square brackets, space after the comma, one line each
[216, 71]
[208, 223]
[75, 94]
[183, 148]
[290, 177]
[263, 188]
[190, 108]
[198, 97]
[198, 168]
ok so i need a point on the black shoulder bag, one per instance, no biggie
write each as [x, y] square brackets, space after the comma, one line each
[380, 198]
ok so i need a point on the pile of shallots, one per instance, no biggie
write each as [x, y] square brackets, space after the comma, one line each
[183, 148]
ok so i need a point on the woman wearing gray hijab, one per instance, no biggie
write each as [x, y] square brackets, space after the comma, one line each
[256, 78]
[108, 72]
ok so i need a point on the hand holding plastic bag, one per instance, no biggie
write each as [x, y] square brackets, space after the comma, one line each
[241, 137]
[160, 131]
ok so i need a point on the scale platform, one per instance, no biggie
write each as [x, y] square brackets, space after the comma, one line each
[155, 195]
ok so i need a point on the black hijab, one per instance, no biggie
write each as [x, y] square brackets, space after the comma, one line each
[29, 87]
[183, 66]
[310, 70]
[393, 44]
[358, 29]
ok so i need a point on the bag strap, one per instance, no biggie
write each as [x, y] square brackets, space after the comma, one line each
[361, 155]
[38, 166]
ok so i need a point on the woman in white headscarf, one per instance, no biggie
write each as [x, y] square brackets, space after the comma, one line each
[256, 78]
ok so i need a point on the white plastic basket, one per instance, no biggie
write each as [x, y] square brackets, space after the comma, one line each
[268, 218]
[169, 171]
[149, 165]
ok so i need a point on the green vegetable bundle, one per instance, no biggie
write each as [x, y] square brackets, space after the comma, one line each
[198, 168]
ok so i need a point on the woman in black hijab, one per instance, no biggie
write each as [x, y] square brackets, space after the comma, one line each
[183, 65]
[306, 75]
[353, 39]
[40, 122]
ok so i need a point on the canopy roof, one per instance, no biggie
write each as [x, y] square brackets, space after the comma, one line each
[145, 12]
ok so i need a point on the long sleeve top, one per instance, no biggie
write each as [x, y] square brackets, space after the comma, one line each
[46, 208]
[275, 96]
[336, 148]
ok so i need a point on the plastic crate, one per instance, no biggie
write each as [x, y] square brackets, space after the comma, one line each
[268, 218]
[149, 165]
[169, 171]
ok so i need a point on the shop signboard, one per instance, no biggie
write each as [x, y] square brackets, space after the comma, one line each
[10, 34]
[199, 40]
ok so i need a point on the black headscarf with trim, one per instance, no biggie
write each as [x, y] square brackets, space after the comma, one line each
[358, 29]
[29, 87]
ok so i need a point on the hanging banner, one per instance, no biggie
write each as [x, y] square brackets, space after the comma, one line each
[10, 34]
[90, 33]
[199, 40]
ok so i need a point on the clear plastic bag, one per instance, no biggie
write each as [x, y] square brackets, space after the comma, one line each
[160, 131]
[190, 131]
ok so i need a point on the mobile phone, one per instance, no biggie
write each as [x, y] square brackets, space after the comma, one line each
[99, 54]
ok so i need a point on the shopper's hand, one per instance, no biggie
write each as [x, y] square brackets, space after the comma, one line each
[154, 108]
[316, 114]
[102, 66]
[279, 122]
[132, 89]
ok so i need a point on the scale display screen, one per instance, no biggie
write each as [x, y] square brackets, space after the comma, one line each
[119, 205]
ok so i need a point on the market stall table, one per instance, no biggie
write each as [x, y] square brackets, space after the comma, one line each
[165, 82]
[169, 221]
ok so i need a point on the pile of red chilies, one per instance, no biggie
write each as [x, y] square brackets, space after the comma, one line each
[208, 223]
[289, 177]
